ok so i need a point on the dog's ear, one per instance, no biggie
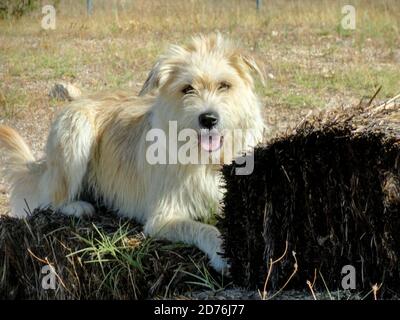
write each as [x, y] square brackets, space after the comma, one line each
[153, 79]
[254, 67]
[246, 66]
[159, 74]
[163, 69]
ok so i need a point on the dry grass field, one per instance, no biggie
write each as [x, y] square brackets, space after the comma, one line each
[310, 61]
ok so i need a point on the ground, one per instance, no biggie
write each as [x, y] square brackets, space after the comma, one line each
[310, 61]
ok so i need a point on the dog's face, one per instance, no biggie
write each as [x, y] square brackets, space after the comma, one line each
[207, 86]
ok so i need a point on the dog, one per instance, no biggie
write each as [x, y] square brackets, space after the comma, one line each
[99, 143]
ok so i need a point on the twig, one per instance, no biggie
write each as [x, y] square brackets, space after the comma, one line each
[47, 262]
[315, 277]
[374, 96]
[27, 209]
[369, 292]
[286, 174]
[311, 289]
[290, 278]
[172, 279]
[311, 285]
[271, 263]
[326, 287]
[389, 103]
[39, 259]
[375, 289]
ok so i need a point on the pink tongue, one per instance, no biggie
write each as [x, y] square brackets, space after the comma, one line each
[210, 141]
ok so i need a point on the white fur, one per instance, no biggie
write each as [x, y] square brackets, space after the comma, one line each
[98, 143]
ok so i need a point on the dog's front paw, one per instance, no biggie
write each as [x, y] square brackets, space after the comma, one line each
[77, 209]
[215, 252]
[220, 264]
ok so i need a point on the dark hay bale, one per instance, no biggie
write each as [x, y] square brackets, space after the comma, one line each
[102, 257]
[330, 189]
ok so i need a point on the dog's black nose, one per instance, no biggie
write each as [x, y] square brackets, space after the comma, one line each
[208, 120]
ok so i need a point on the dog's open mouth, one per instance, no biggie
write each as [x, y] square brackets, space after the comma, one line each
[210, 140]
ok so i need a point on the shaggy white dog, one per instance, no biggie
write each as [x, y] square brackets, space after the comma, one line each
[101, 144]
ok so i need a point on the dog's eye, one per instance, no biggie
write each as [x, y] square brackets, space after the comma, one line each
[224, 86]
[188, 89]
